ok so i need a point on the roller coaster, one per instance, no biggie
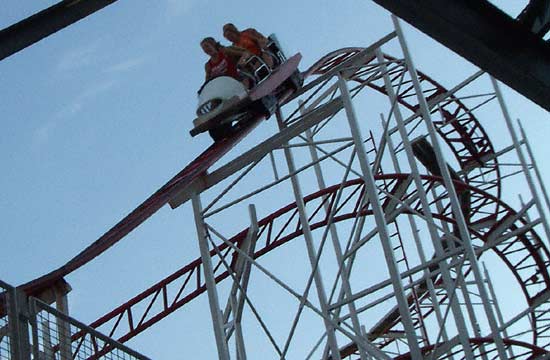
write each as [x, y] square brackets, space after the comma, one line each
[360, 229]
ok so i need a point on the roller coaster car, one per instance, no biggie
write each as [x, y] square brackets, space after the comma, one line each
[225, 104]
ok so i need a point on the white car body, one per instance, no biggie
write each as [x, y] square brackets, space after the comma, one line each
[216, 95]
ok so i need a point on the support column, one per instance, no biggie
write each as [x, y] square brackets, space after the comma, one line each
[217, 319]
[535, 166]
[457, 211]
[497, 308]
[418, 243]
[436, 241]
[312, 253]
[17, 322]
[63, 327]
[380, 221]
[336, 242]
[522, 160]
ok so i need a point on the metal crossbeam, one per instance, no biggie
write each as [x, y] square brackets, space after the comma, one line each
[46, 22]
[486, 36]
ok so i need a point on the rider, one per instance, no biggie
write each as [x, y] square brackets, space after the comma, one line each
[223, 60]
[249, 39]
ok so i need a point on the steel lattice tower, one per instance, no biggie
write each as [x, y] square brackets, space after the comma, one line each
[369, 225]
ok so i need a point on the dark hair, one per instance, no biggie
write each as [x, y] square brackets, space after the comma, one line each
[230, 26]
[211, 40]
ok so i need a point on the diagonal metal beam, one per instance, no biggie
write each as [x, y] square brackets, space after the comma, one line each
[46, 22]
[484, 35]
[262, 149]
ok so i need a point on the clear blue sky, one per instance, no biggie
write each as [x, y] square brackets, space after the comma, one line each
[96, 118]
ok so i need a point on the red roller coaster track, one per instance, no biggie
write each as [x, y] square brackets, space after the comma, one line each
[526, 256]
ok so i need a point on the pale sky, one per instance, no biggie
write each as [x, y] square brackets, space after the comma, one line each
[96, 118]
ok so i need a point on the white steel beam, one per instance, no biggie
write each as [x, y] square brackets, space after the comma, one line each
[380, 221]
[335, 240]
[446, 276]
[215, 312]
[258, 152]
[457, 211]
[308, 237]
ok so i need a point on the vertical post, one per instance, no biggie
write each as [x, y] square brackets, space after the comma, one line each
[63, 327]
[462, 284]
[380, 221]
[217, 319]
[500, 318]
[312, 253]
[240, 350]
[13, 322]
[521, 157]
[436, 241]
[418, 243]
[14, 326]
[34, 329]
[457, 211]
[47, 338]
[335, 238]
[535, 166]
[243, 276]
[22, 324]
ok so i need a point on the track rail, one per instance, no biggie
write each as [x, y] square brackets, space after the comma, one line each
[482, 348]
[524, 254]
[466, 150]
[150, 206]
[460, 129]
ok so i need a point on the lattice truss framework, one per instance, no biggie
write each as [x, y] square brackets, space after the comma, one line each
[344, 235]
[366, 225]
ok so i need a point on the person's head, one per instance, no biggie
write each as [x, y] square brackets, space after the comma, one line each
[210, 46]
[230, 32]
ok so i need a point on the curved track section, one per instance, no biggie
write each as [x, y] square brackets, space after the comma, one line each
[482, 348]
[460, 129]
[524, 254]
[492, 223]
[462, 132]
[150, 206]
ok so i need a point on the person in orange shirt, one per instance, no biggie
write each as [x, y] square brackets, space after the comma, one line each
[249, 39]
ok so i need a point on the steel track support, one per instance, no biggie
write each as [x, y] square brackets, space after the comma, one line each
[380, 220]
[440, 252]
[63, 328]
[521, 156]
[215, 312]
[335, 239]
[312, 252]
[457, 211]
[535, 166]
[461, 282]
[240, 285]
[361, 341]
[496, 305]
[418, 243]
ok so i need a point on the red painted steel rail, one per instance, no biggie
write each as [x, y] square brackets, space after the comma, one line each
[150, 206]
[205, 160]
[525, 255]
[460, 130]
